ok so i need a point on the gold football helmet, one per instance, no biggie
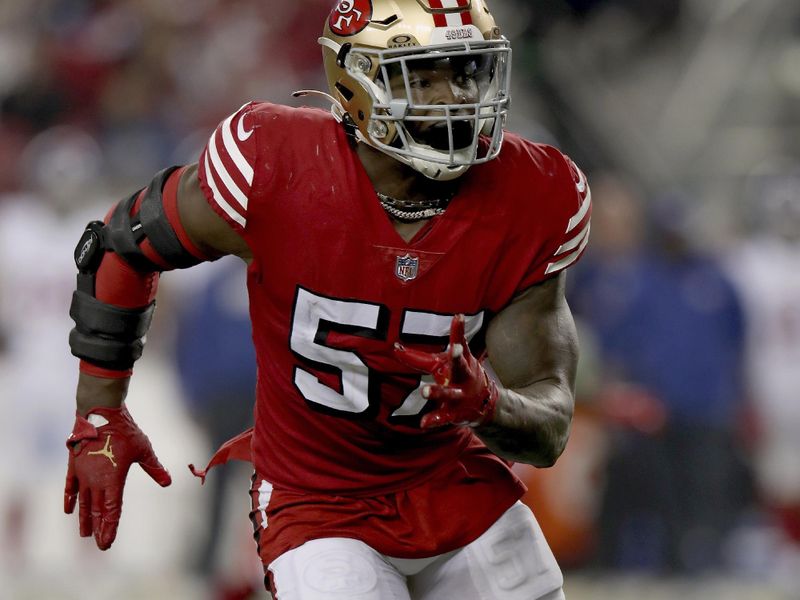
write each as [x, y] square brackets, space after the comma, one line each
[424, 81]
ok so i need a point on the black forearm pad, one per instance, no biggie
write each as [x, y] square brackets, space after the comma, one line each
[106, 335]
[105, 352]
[95, 317]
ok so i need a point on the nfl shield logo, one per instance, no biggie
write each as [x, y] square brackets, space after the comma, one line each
[406, 267]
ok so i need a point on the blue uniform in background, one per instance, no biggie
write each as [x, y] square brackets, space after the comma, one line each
[671, 323]
[216, 365]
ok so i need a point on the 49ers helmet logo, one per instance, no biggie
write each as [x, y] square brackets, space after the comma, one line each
[350, 16]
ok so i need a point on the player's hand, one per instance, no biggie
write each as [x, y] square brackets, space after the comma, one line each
[102, 448]
[464, 393]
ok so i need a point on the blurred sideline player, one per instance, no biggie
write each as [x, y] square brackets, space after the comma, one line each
[765, 267]
[389, 245]
[59, 167]
[218, 391]
[33, 372]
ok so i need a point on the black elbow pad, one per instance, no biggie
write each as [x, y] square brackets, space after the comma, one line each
[125, 233]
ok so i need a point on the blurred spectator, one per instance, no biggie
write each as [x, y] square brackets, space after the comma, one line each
[141, 76]
[217, 370]
[766, 267]
[39, 227]
[669, 327]
[149, 79]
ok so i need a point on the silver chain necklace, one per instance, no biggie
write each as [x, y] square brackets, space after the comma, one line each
[408, 211]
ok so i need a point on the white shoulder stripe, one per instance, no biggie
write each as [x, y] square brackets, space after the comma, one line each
[581, 185]
[233, 150]
[587, 202]
[229, 184]
[229, 210]
[575, 241]
[567, 260]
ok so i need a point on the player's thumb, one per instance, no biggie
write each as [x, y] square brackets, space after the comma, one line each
[153, 467]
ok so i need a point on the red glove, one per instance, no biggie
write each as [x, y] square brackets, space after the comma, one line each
[101, 450]
[464, 393]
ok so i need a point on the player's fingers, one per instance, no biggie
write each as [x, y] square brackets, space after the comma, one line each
[153, 467]
[441, 393]
[459, 368]
[112, 509]
[457, 331]
[85, 512]
[433, 419]
[70, 490]
[416, 359]
[108, 533]
[70, 500]
[97, 511]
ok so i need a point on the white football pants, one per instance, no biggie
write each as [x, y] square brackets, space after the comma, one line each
[510, 561]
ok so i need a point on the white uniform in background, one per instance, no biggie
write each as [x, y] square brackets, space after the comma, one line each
[767, 272]
[37, 277]
[37, 410]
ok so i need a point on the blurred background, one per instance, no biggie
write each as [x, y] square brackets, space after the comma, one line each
[682, 476]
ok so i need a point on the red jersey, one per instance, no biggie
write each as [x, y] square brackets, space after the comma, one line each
[332, 286]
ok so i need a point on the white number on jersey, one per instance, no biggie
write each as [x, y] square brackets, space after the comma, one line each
[316, 316]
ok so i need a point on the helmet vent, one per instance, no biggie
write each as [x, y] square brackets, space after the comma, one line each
[346, 93]
[386, 21]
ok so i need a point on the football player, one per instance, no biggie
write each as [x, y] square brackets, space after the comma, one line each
[406, 281]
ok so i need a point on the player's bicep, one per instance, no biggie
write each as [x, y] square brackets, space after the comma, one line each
[209, 231]
[534, 339]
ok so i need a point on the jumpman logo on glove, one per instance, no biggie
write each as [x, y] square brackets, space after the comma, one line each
[106, 451]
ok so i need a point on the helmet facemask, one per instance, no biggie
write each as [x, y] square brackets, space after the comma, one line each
[439, 108]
